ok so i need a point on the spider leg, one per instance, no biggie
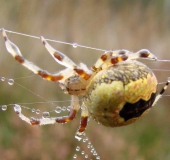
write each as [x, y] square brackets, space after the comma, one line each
[65, 61]
[113, 57]
[15, 52]
[58, 56]
[159, 95]
[44, 121]
[83, 122]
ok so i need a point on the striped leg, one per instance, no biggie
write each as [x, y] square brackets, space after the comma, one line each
[159, 95]
[57, 55]
[83, 122]
[44, 121]
[113, 57]
[65, 61]
[15, 52]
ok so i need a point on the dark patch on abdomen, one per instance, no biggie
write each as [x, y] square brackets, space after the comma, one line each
[133, 110]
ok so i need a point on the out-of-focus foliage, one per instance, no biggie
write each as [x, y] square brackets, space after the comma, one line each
[109, 24]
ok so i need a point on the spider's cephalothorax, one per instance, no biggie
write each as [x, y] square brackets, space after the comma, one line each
[117, 90]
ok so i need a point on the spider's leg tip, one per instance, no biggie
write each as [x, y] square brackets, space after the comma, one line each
[4, 33]
[43, 40]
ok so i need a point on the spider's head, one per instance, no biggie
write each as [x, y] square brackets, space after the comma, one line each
[74, 85]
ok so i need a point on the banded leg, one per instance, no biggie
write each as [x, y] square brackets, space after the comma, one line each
[159, 95]
[15, 52]
[83, 122]
[58, 56]
[65, 61]
[113, 57]
[44, 121]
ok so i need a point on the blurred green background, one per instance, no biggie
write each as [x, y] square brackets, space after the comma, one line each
[109, 24]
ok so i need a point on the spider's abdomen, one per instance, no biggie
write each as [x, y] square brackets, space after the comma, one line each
[121, 94]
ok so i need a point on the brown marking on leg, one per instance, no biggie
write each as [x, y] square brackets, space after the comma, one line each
[58, 56]
[46, 75]
[68, 118]
[119, 59]
[82, 73]
[83, 124]
[20, 59]
[34, 121]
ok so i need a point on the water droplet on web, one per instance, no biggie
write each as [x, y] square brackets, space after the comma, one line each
[89, 143]
[2, 78]
[45, 114]
[92, 150]
[88, 146]
[75, 156]
[68, 108]
[64, 108]
[33, 110]
[10, 81]
[78, 148]
[82, 152]
[86, 156]
[98, 157]
[75, 45]
[58, 109]
[168, 79]
[37, 111]
[79, 138]
[95, 153]
[4, 107]
[17, 108]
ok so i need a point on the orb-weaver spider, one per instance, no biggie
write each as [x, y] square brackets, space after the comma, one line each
[116, 91]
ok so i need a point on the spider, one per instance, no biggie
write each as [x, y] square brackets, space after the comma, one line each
[116, 91]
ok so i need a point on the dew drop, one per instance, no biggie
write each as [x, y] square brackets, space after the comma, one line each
[95, 153]
[86, 156]
[82, 152]
[88, 146]
[92, 150]
[79, 138]
[33, 110]
[64, 108]
[168, 79]
[89, 143]
[2, 78]
[17, 108]
[98, 157]
[37, 111]
[78, 148]
[45, 114]
[58, 109]
[84, 140]
[10, 81]
[75, 156]
[68, 108]
[75, 45]
[4, 107]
